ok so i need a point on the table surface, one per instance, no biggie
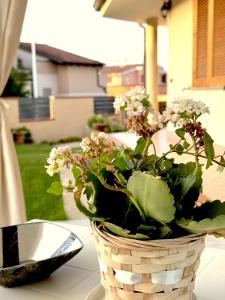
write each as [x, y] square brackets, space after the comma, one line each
[76, 278]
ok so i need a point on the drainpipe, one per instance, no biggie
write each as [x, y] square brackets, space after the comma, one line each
[99, 82]
[34, 70]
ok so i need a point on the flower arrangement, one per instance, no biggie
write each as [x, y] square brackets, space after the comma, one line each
[137, 193]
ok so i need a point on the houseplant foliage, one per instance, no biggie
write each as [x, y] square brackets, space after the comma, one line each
[22, 135]
[137, 193]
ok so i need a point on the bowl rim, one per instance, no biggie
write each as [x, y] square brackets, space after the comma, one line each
[46, 259]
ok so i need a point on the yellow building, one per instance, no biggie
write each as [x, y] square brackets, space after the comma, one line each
[196, 49]
[122, 78]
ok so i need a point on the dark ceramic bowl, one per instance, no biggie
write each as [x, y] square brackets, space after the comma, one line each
[32, 251]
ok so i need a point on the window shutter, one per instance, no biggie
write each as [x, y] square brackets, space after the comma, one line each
[218, 53]
[209, 43]
[202, 39]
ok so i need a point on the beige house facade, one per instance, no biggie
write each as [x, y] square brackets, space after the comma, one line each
[196, 49]
[68, 118]
[62, 73]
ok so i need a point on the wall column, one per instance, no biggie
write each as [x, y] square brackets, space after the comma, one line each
[151, 65]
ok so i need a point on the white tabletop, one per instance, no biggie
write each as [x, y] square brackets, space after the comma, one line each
[76, 278]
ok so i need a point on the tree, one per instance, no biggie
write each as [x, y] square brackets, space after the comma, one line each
[17, 83]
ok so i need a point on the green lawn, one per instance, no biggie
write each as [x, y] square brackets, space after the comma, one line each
[39, 204]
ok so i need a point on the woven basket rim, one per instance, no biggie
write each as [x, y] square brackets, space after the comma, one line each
[110, 238]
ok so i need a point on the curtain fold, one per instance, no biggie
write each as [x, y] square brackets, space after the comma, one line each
[12, 207]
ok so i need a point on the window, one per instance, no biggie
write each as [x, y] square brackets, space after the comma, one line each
[209, 43]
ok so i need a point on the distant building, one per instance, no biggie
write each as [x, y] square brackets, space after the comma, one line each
[62, 73]
[123, 78]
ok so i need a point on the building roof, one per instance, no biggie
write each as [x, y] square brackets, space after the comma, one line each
[120, 69]
[59, 56]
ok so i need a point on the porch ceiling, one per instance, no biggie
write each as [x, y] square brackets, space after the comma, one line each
[131, 10]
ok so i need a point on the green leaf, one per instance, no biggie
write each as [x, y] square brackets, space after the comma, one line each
[221, 167]
[186, 144]
[208, 218]
[55, 188]
[179, 149]
[209, 149]
[209, 209]
[145, 227]
[180, 132]
[186, 183]
[139, 146]
[166, 164]
[76, 171]
[153, 196]
[203, 226]
[120, 163]
[165, 231]
[124, 233]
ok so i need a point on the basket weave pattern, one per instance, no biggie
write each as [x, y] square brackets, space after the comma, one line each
[144, 259]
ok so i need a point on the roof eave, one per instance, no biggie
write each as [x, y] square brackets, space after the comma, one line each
[81, 64]
[98, 4]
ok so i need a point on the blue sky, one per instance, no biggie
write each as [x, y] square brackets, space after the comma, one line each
[74, 26]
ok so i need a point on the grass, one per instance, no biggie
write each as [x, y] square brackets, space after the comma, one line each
[39, 204]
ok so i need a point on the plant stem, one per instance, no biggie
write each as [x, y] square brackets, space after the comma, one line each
[168, 152]
[195, 148]
[108, 186]
[154, 148]
[203, 156]
[147, 144]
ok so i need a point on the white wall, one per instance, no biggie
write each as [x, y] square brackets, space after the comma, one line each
[47, 81]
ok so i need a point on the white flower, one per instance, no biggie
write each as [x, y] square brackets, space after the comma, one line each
[120, 103]
[86, 144]
[156, 119]
[184, 108]
[52, 169]
[153, 119]
[188, 105]
[58, 158]
[135, 109]
[134, 101]
[101, 137]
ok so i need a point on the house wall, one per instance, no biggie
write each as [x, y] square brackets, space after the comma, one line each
[135, 77]
[83, 80]
[47, 77]
[180, 23]
[63, 79]
[69, 118]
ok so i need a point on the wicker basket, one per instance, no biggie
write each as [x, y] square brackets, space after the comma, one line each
[147, 270]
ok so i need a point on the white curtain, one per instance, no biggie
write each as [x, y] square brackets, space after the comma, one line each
[12, 208]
